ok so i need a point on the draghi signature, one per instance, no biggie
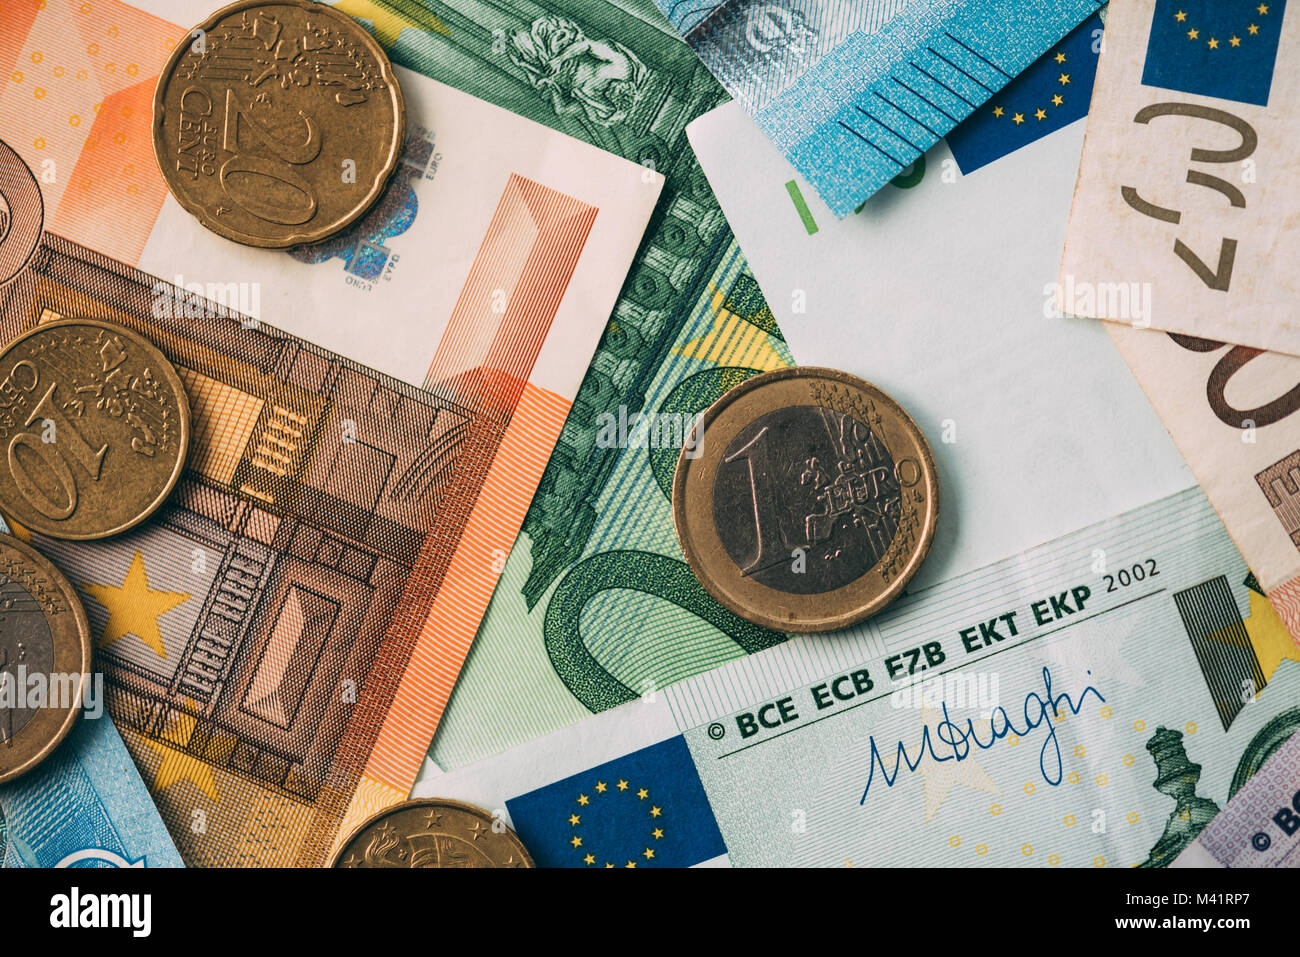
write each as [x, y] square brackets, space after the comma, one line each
[960, 739]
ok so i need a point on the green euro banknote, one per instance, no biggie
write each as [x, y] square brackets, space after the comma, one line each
[1092, 702]
[598, 548]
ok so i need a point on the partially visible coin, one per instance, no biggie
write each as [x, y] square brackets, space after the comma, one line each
[44, 657]
[278, 123]
[806, 501]
[432, 833]
[94, 428]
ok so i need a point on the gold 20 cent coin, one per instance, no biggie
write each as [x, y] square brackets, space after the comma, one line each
[807, 501]
[432, 833]
[278, 122]
[44, 657]
[94, 427]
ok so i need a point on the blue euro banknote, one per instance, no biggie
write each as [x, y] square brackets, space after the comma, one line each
[855, 91]
[84, 806]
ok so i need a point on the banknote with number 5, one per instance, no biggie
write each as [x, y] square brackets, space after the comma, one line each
[1186, 189]
[372, 414]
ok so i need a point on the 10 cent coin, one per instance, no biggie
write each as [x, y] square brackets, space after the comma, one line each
[278, 123]
[43, 632]
[807, 500]
[94, 427]
[432, 833]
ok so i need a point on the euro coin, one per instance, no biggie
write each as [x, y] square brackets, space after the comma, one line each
[45, 655]
[432, 833]
[805, 500]
[95, 426]
[278, 123]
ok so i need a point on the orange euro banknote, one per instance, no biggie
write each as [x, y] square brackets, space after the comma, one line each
[371, 418]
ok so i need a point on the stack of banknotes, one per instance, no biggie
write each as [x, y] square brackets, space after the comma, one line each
[1062, 235]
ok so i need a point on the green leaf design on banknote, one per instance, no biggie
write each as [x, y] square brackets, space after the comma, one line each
[594, 605]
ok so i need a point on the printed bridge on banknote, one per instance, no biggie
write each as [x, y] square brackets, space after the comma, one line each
[254, 634]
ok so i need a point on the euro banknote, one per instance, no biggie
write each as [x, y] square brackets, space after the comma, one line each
[689, 323]
[987, 207]
[1186, 188]
[1259, 827]
[940, 292]
[854, 91]
[84, 806]
[372, 417]
[1092, 702]
[1232, 411]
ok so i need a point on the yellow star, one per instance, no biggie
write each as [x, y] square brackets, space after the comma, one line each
[629, 864]
[622, 785]
[1253, 29]
[1268, 637]
[657, 833]
[998, 111]
[584, 800]
[1017, 119]
[608, 864]
[643, 794]
[737, 339]
[1063, 79]
[601, 787]
[1193, 33]
[1235, 41]
[176, 765]
[1213, 44]
[574, 820]
[1060, 58]
[938, 779]
[589, 859]
[1040, 114]
[134, 608]
[1262, 8]
[656, 812]
[577, 841]
[1057, 100]
[647, 853]
[1180, 16]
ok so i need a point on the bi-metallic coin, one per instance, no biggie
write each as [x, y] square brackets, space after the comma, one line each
[45, 655]
[806, 500]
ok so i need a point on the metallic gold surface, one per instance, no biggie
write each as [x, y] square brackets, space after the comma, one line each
[433, 833]
[809, 502]
[278, 123]
[95, 427]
